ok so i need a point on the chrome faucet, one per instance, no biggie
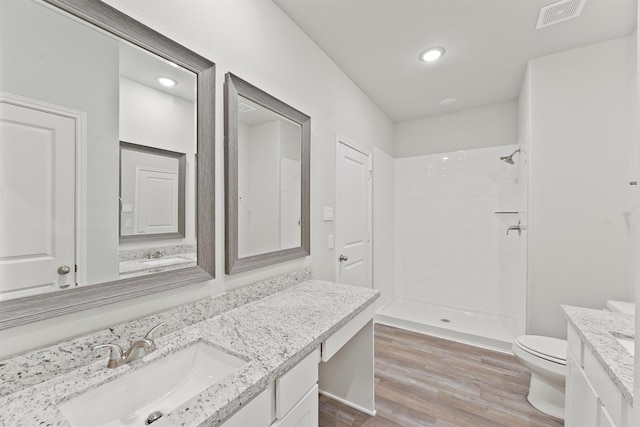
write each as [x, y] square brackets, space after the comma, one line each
[138, 349]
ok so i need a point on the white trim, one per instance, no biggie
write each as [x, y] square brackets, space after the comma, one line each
[346, 402]
[80, 120]
[345, 141]
[348, 143]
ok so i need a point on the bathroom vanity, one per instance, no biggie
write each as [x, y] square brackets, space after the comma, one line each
[289, 345]
[599, 387]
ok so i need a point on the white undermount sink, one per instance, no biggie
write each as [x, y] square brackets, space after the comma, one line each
[163, 385]
[628, 343]
[165, 261]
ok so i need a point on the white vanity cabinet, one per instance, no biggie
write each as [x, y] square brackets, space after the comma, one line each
[290, 401]
[591, 398]
[296, 395]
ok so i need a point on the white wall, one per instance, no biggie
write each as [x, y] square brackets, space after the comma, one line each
[486, 126]
[264, 189]
[256, 41]
[636, 138]
[579, 197]
[384, 230]
[451, 246]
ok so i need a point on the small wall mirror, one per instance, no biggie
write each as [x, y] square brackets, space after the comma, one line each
[152, 193]
[267, 185]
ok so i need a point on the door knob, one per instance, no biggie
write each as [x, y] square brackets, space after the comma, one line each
[343, 258]
[64, 269]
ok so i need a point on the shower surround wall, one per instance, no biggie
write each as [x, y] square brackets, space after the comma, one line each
[451, 244]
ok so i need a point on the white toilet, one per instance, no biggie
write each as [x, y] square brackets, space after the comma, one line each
[546, 357]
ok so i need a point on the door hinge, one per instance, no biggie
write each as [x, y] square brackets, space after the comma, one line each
[370, 174]
[76, 268]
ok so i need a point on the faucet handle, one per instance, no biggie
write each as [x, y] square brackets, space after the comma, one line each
[116, 355]
[152, 330]
[149, 336]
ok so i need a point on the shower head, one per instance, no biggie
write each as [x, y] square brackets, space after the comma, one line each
[509, 158]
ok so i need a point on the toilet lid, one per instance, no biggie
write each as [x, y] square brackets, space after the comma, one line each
[546, 347]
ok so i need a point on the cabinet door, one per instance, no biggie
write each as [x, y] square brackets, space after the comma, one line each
[605, 418]
[304, 414]
[581, 402]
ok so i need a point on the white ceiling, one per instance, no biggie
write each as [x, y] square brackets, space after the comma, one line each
[143, 67]
[488, 43]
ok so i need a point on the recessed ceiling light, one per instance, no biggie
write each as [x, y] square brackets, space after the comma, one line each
[166, 81]
[432, 54]
[448, 101]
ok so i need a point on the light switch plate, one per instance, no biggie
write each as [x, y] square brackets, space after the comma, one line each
[127, 208]
[330, 241]
[328, 214]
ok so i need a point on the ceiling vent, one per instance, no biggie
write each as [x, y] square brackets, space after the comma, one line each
[245, 108]
[558, 12]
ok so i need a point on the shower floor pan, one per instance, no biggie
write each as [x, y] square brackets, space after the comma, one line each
[486, 330]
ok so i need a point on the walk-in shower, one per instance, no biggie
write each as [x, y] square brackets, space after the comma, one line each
[458, 275]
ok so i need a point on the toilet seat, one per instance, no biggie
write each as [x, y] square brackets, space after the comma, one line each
[547, 348]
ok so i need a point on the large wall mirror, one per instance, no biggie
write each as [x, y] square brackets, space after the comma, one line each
[86, 219]
[267, 178]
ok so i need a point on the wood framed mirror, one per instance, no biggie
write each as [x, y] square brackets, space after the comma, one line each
[267, 171]
[91, 289]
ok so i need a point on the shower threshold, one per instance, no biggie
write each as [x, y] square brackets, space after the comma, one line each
[481, 329]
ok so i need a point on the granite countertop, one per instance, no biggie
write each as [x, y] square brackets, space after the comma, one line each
[598, 329]
[272, 333]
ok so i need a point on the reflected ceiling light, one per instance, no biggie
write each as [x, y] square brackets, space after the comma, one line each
[432, 54]
[166, 81]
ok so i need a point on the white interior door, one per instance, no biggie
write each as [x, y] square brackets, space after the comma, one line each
[156, 201]
[353, 215]
[37, 190]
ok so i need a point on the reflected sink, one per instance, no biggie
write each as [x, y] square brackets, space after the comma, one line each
[628, 343]
[163, 385]
[166, 261]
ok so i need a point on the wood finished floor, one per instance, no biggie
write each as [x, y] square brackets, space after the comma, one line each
[427, 381]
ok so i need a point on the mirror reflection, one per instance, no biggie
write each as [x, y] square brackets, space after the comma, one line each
[71, 93]
[269, 180]
[268, 157]
[151, 192]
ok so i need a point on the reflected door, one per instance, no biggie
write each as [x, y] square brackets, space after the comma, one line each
[37, 219]
[353, 216]
[156, 201]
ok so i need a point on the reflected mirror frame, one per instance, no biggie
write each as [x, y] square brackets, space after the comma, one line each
[234, 87]
[21, 311]
[182, 165]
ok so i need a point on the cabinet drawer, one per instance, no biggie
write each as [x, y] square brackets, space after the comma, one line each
[294, 384]
[581, 401]
[605, 388]
[334, 343]
[575, 345]
[304, 413]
